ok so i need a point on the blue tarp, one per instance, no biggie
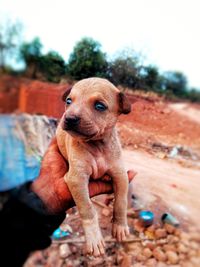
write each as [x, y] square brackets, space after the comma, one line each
[16, 165]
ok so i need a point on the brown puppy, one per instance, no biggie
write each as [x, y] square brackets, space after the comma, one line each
[87, 138]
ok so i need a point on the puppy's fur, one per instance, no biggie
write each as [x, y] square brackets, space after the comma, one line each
[87, 138]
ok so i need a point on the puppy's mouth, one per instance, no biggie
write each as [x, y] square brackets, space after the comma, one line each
[74, 131]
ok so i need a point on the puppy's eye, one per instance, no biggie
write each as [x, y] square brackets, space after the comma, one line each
[100, 106]
[68, 101]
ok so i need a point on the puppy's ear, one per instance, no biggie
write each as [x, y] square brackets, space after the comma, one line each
[124, 104]
[64, 96]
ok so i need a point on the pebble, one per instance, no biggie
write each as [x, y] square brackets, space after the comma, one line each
[182, 256]
[147, 253]
[169, 247]
[181, 248]
[137, 226]
[151, 262]
[195, 236]
[151, 245]
[64, 250]
[97, 261]
[141, 258]
[160, 233]
[169, 228]
[172, 257]
[194, 245]
[191, 253]
[133, 249]
[159, 254]
[195, 261]
[127, 261]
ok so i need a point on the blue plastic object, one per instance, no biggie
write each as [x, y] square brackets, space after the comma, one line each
[170, 219]
[59, 233]
[146, 217]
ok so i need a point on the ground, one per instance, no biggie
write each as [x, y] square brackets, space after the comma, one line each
[161, 142]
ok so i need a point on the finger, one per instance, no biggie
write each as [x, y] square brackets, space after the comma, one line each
[100, 187]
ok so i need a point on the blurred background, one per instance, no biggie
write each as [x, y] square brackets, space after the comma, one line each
[150, 50]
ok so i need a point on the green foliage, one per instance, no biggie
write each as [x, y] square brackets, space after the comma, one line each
[52, 66]
[31, 54]
[150, 78]
[87, 60]
[124, 69]
[175, 82]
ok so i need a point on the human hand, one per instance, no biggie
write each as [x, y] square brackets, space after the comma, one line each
[51, 187]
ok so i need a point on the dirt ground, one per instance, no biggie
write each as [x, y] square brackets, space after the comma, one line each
[161, 141]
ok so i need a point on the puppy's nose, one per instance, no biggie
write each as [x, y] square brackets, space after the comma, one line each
[72, 121]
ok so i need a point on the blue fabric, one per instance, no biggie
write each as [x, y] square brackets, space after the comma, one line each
[16, 167]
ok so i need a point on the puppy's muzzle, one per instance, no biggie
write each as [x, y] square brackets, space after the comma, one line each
[71, 123]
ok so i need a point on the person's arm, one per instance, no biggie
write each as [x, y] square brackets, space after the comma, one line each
[36, 209]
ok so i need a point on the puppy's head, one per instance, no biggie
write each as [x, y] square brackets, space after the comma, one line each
[92, 108]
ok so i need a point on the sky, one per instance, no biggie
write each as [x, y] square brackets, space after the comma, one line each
[166, 32]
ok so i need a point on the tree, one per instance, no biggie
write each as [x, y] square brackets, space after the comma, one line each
[87, 60]
[10, 37]
[31, 54]
[52, 66]
[175, 82]
[124, 69]
[149, 78]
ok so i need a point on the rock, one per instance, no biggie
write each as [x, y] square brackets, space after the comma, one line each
[133, 249]
[182, 256]
[64, 250]
[159, 254]
[160, 233]
[161, 264]
[162, 241]
[141, 258]
[151, 228]
[195, 236]
[169, 228]
[169, 247]
[191, 253]
[74, 249]
[171, 239]
[138, 226]
[96, 261]
[151, 245]
[69, 263]
[172, 257]
[127, 261]
[149, 234]
[147, 253]
[195, 261]
[194, 245]
[181, 248]
[151, 262]
[177, 232]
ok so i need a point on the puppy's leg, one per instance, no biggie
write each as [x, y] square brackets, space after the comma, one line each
[120, 229]
[78, 186]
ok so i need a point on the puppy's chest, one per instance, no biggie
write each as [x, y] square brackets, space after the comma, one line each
[99, 166]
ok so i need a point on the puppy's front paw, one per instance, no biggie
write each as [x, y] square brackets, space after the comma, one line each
[120, 232]
[94, 243]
